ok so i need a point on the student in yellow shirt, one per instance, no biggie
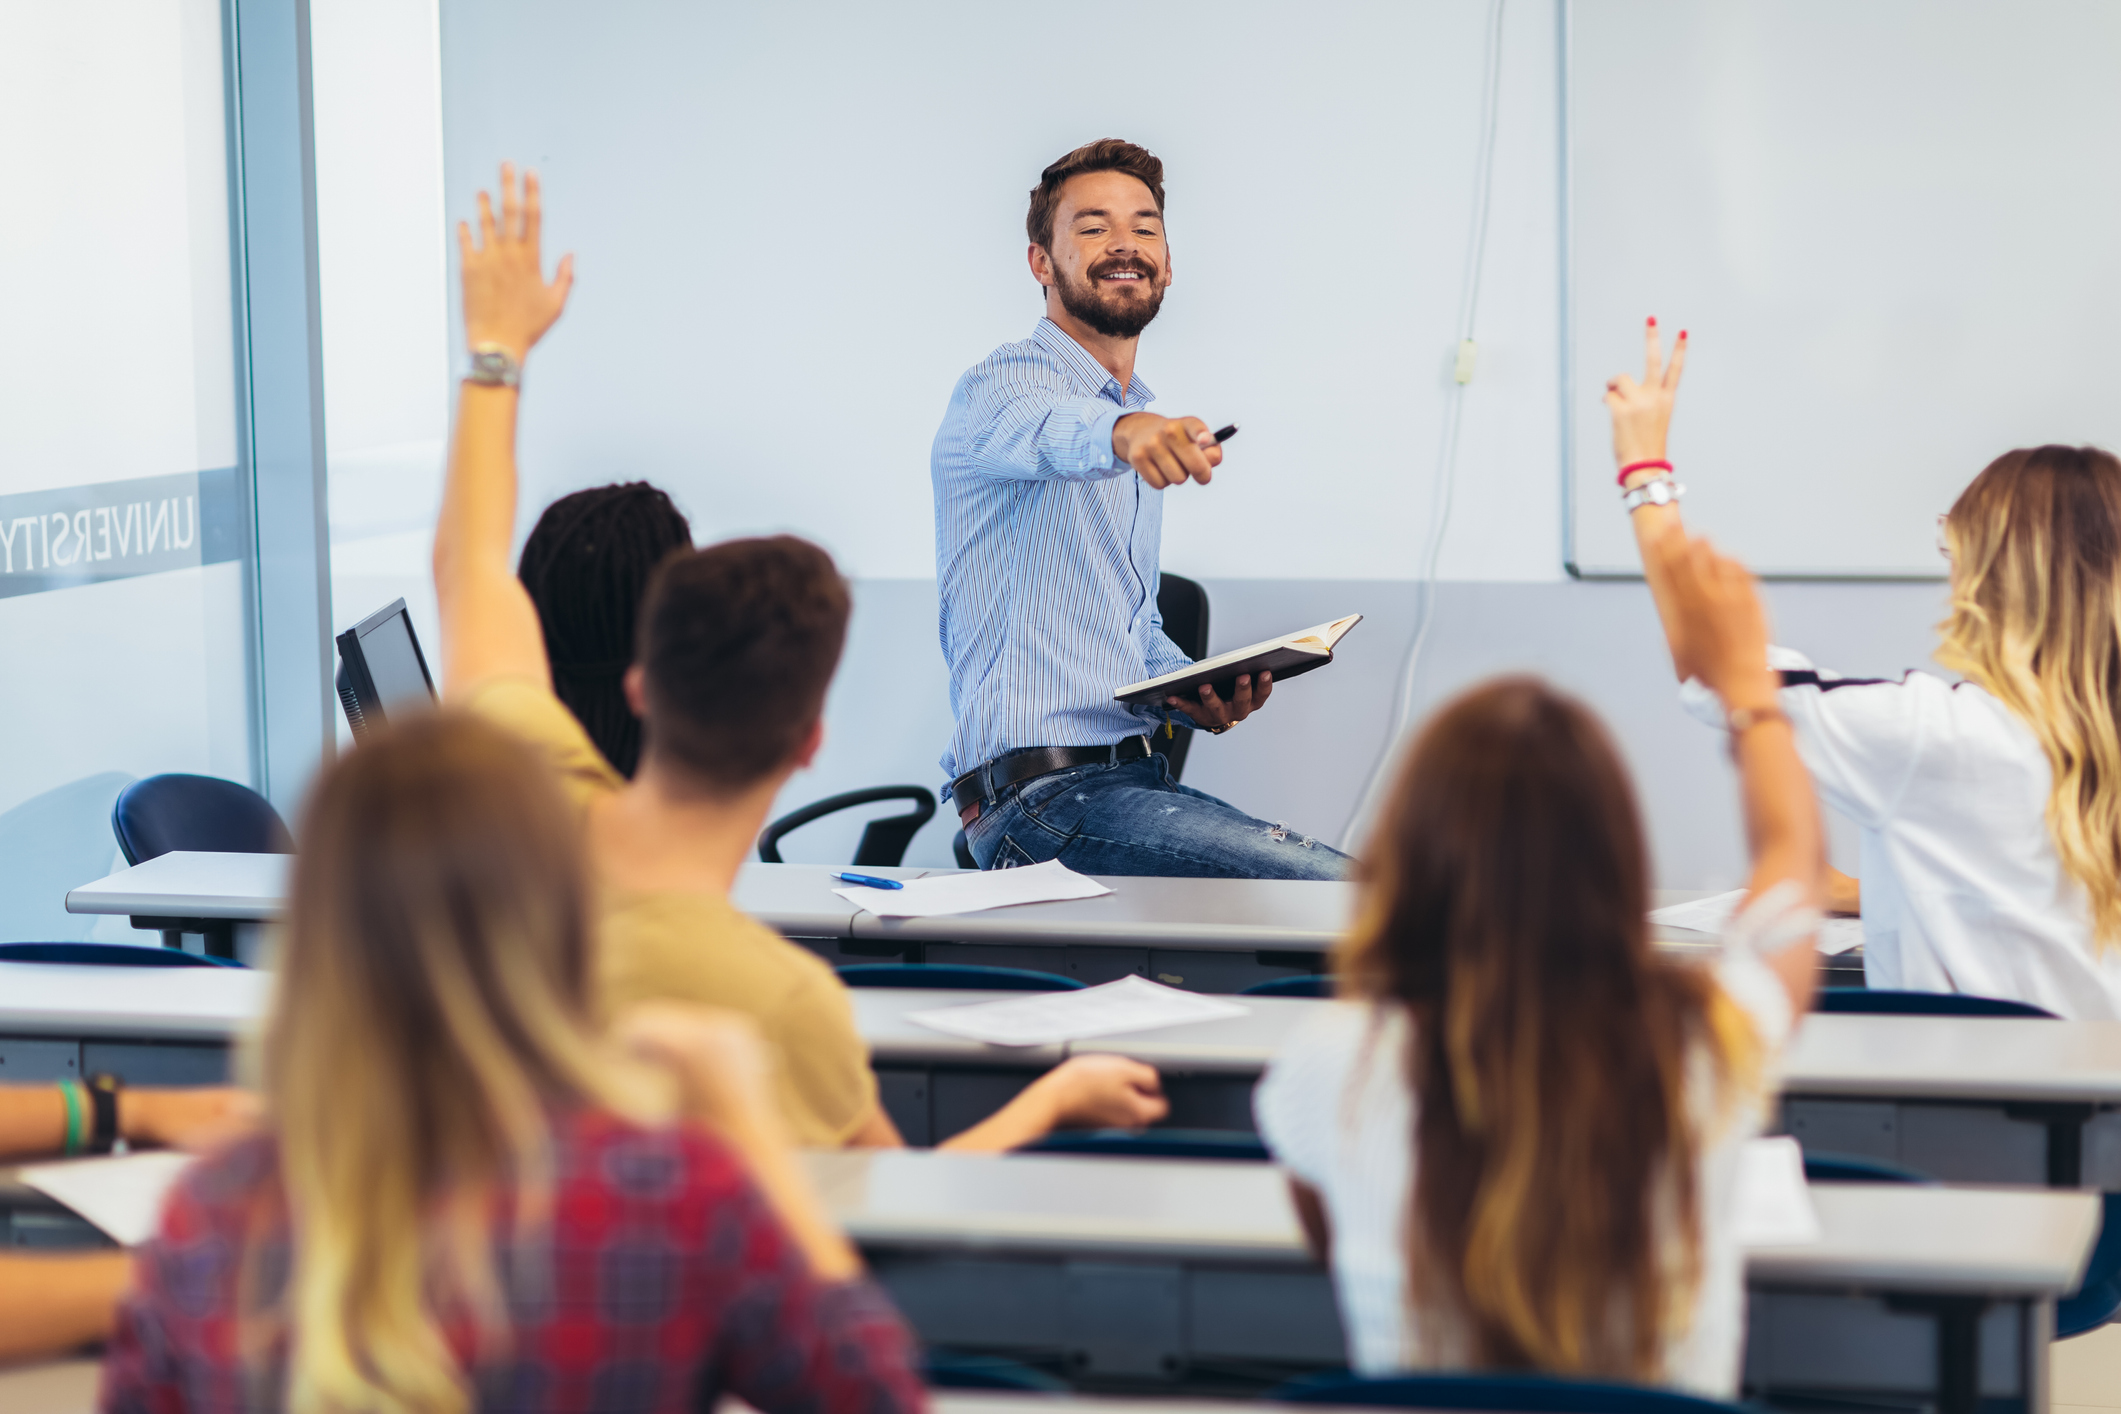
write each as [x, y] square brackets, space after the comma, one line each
[737, 646]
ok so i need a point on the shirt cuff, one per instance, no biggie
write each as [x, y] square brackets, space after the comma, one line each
[1097, 434]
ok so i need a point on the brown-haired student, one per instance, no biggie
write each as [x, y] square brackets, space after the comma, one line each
[1519, 1144]
[738, 643]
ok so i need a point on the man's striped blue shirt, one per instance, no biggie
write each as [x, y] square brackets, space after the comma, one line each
[1046, 552]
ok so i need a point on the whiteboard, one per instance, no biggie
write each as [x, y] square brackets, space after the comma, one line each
[1894, 230]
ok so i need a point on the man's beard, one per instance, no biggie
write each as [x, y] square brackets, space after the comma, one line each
[1110, 313]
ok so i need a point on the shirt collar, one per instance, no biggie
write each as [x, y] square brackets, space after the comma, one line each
[1086, 368]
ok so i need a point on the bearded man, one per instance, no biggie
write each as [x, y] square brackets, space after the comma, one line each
[1048, 522]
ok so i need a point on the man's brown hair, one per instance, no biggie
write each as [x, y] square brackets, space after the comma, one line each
[1107, 154]
[738, 643]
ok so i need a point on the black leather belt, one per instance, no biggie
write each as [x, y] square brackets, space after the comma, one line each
[981, 784]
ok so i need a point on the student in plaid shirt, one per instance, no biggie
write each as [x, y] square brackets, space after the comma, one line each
[464, 1196]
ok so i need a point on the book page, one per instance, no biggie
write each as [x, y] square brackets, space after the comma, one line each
[1714, 913]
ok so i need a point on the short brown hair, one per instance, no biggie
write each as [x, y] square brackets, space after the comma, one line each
[1107, 154]
[738, 644]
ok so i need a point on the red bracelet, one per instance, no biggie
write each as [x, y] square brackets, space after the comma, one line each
[1632, 467]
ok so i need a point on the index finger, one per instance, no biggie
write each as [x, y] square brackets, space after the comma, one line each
[1671, 374]
[511, 203]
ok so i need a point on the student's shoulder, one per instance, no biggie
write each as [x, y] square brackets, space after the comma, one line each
[702, 947]
[1023, 361]
[225, 1190]
[606, 1161]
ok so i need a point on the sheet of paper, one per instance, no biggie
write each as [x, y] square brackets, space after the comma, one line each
[1714, 914]
[1046, 1018]
[121, 1195]
[1704, 915]
[946, 894]
[1773, 1205]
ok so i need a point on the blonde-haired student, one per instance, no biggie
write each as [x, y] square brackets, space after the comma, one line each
[464, 1196]
[1990, 809]
[1518, 1144]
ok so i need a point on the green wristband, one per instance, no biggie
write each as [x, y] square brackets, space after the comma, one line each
[76, 1126]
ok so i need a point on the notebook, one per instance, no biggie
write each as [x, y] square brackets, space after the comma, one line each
[1285, 657]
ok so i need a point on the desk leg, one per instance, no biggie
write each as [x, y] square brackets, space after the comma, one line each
[1958, 1347]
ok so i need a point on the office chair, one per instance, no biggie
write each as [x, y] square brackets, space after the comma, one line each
[1320, 985]
[1863, 1001]
[883, 842]
[1521, 1394]
[109, 955]
[201, 814]
[1184, 607]
[956, 977]
[1153, 1144]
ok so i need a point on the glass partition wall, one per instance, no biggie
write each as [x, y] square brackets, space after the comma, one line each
[129, 585]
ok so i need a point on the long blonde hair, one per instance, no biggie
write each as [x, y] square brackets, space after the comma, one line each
[430, 1013]
[2035, 543]
[1505, 900]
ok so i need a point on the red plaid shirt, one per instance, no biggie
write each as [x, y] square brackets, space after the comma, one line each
[661, 1282]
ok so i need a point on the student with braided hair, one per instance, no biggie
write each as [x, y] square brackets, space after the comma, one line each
[587, 565]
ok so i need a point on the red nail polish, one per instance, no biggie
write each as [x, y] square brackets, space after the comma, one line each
[1653, 321]
[1682, 333]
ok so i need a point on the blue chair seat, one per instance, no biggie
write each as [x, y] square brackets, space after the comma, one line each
[965, 978]
[1153, 1144]
[1863, 1001]
[1821, 1166]
[1520, 1394]
[1320, 986]
[109, 955]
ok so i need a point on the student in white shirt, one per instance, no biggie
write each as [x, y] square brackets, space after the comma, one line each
[1990, 810]
[1517, 1141]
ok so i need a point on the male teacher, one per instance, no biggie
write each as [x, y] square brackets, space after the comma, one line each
[1048, 515]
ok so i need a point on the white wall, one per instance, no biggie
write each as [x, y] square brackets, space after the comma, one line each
[795, 226]
[386, 295]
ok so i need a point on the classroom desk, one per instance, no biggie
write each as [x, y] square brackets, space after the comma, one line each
[934, 1085]
[1205, 934]
[1141, 1273]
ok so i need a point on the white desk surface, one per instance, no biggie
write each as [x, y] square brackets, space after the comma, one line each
[157, 1003]
[182, 884]
[1955, 1057]
[797, 899]
[1998, 1241]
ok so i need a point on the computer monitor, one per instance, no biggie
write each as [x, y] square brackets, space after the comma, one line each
[381, 669]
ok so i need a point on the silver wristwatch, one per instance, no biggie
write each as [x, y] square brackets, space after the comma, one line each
[494, 367]
[1661, 492]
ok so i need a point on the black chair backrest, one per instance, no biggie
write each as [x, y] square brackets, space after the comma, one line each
[1862, 1001]
[1184, 606]
[1521, 1394]
[964, 977]
[109, 955]
[1234, 1144]
[199, 813]
[883, 842]
[1318, 986]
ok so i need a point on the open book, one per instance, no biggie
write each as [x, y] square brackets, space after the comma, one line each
[1284, 657]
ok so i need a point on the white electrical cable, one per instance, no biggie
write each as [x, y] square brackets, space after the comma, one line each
[1454, 413]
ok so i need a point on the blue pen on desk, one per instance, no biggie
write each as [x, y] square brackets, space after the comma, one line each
[869, 881]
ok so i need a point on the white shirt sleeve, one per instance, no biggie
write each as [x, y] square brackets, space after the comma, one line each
[1301, 1095]
[1777, 920]
[1862, 740]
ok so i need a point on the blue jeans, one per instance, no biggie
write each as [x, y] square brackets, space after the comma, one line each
[1132, 818]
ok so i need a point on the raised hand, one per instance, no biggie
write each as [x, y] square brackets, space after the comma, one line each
[1717, 620]
[1642, 412]
[506, 300]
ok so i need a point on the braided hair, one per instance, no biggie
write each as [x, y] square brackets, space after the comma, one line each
[586, 565]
